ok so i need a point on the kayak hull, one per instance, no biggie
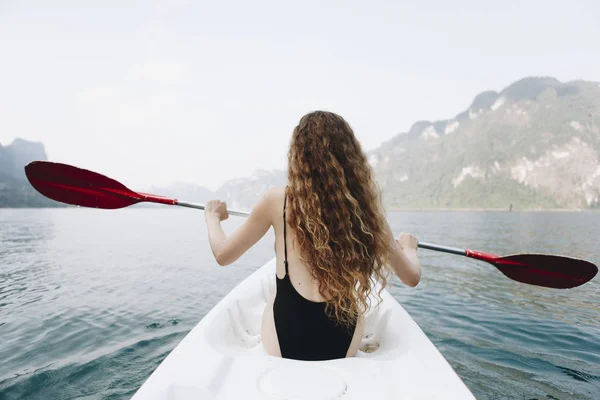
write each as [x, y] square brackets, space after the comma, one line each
[222, 358]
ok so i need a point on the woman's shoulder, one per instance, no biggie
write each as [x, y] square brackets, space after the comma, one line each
[270, 205]
[277, 192]
[276, 195]
[272, 198]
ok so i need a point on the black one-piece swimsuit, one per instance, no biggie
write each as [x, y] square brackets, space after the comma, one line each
[304, 330]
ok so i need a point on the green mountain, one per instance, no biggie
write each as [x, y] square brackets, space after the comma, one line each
[535, 144]
[15, 190]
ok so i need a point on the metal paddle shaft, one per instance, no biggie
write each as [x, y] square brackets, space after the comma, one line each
[72, 185]
[201, 207]
[443, 249]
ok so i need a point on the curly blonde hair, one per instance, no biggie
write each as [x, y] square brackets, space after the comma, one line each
[336, 213]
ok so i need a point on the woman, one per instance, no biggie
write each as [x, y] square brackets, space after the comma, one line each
[332, 243]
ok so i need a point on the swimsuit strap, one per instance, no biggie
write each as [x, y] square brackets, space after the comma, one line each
[285, 262]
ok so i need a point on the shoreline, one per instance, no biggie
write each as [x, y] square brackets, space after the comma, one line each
[394, 209]
[496, 209]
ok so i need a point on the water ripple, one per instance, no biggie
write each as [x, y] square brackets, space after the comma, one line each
[90, 313]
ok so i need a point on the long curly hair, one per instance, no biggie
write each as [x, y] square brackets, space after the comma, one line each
[336, 212]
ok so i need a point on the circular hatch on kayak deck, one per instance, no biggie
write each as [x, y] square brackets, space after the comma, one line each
[299, 381]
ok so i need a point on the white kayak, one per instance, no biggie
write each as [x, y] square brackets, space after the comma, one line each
[223, 358]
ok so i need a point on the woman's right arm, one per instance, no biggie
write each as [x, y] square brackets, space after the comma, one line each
[404, 259]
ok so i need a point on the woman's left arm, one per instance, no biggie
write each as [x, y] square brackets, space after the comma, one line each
[228, 249]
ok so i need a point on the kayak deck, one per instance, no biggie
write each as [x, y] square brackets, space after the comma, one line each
[223, 358]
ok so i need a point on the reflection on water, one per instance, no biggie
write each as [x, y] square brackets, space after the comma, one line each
[91, 300]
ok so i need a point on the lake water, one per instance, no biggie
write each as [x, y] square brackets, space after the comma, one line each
[91, 301]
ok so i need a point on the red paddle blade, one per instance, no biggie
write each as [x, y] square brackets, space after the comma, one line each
[546, 270]
[72, 185]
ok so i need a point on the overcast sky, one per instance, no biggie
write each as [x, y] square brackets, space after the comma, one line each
[153, 92]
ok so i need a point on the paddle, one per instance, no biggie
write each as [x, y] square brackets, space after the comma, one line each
[72, 185]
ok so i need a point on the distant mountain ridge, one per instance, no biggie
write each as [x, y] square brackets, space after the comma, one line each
[14, 156]
[240, 194]
[15, 190]
[533, 145]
